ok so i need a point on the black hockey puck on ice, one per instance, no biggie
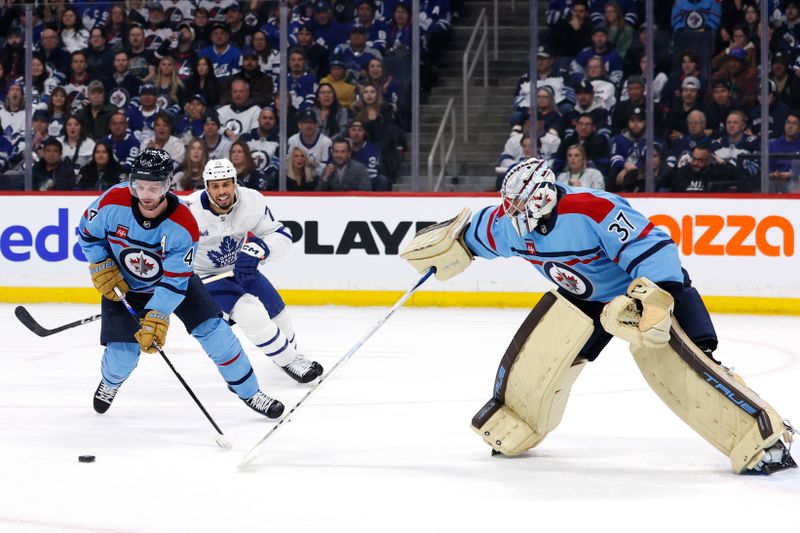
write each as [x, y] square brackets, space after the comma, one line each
[86, 458]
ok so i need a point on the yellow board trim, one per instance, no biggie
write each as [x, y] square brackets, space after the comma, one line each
[715, 304]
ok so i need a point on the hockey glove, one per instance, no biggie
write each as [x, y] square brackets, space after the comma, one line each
[153, 328]
[441, 246]
[642, 318]
[252, 253]
[106, 276]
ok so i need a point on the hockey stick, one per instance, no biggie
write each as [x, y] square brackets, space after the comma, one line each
[29, 322]
[220, 437]
[251, 455]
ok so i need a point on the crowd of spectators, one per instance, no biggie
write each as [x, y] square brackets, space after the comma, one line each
[591, 85]
[199, 79]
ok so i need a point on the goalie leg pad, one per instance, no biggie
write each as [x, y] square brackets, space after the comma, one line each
[711, 400]
[535, 377]
[441, 246]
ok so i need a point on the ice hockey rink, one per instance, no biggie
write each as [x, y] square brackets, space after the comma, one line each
[384, 446]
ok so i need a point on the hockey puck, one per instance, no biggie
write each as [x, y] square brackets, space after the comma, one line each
[86, 458]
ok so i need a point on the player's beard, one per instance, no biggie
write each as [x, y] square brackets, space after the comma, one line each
[224, 200]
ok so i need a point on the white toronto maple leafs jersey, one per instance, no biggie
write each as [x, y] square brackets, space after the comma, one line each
[222, 236]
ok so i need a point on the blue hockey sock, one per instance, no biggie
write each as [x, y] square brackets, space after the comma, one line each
[222, 346]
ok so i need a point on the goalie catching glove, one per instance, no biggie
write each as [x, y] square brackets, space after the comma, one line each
[442, 247]
[106, 276]
[643, 317]
[153, 328]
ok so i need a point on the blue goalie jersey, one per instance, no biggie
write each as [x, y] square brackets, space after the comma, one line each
[593, 245]
[153, 255]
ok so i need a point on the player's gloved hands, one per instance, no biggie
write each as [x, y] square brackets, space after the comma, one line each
[643, 317]
[106, 276]
[154, 327]
[252, 253]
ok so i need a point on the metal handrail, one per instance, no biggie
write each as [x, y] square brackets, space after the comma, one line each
[444, 156]
[483, 46]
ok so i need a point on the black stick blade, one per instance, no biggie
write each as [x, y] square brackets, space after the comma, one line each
[29, 322]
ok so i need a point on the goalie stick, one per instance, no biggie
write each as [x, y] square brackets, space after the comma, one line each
[253, 453]
[29, 322]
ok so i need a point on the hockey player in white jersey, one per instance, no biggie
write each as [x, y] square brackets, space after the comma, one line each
[226, 214]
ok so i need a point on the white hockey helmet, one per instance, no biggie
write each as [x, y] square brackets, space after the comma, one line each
[528, 193]
[218, 169]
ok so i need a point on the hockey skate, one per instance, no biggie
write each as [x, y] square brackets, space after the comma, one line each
[265, 405]
[776, 458]
[103, 397]
[303, 370]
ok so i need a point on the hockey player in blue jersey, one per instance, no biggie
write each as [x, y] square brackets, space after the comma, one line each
[141, 239]
[617, 274]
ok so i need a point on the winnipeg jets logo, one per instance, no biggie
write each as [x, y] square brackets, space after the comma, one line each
[261, 159]
[143, 265]
[234, 125]
[226, 253]
[568, 279]
[119, 97]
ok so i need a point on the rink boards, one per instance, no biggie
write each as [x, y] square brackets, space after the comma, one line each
[740, 250]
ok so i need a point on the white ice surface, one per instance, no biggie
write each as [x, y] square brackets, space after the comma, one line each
[385, 446]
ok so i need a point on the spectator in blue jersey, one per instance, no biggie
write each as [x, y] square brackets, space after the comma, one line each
[302, 84]
[331, 116]
[6, 151]
[344, 173]
[573, 33]
[696, 15]
[783, 177]
[327, 31]
[596, 146]
[376, 29]
[124, 145]
[316, 54]
[400, 33]
[191, 123]
[51, 173]
[141, 114]
[225, 57]
[681, 147]
[356, 54]
[600, 47]
[434, 19]
[627, 154]
[368, 154]
[204, 82]
[121, 86]
[735, 143]
[96, 113]
[218, 145]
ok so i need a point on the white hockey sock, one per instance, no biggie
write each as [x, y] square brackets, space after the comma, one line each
[254, 320]
[284, 322]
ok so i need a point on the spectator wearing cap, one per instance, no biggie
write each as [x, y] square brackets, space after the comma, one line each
[356, 54]
[191, 123]
[141, 61]
[260, 84]
[121, 86]
[218, 145]
[99, 56]
[600, 47]
[225, 57]
[51, 173]
[782, 174]
[696, 15]
[722, 102]
[344, 173]
[12, 54]
[345, 91]
[586, 103]
[302, 84]
[573, 33]
[627, 153]
[124, 145]
[96, 113]
[241, 115]
[675, 115]
[327, 31]
[12, 113]
[623, 110]
[313, 142]
[681, 148]
[180, 46]
[263, 140]
[204, 82]
[690, 67]
[52, 53]
[596, 146]
[787, 84]
[735, 143]
[164, 140]
[141, 114]
[399, 32]
[744, 81]
[376, 29]
[777, 112]
[316, 54]
[157, 29]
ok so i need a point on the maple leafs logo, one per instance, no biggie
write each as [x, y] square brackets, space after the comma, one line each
[142, 266]
[227, 252]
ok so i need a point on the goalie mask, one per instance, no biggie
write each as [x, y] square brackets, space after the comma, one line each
[528, 193]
